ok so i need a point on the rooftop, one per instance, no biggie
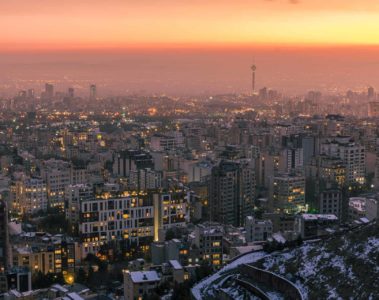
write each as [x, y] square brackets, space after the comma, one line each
[144, 276]
[319, 217]
[175, 264]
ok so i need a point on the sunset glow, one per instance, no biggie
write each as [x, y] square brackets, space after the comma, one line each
[208, 23]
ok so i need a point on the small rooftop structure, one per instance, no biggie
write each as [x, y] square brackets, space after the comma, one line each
[309, 217]
[175, 264]
[144, 276]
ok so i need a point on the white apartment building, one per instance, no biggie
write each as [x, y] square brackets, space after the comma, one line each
[168, 141]
[287, 193]
[56, 174]
[352, 154]
[74, 195]
[78, 176]
[257, 230]
[105, 219]
[145, 179]
[291, 159]
[29, 195]
[136, 218]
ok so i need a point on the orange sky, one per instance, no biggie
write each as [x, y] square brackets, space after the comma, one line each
[81, 24]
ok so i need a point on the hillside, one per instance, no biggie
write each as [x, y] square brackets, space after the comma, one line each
[344, 267]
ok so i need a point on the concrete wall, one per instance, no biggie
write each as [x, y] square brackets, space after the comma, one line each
[278, 283]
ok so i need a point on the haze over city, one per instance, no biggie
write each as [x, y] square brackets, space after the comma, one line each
[184, 47]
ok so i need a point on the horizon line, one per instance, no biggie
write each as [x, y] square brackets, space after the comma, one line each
[41, 48]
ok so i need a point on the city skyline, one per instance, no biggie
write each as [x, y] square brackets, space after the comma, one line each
[194, 47]
[181, 150]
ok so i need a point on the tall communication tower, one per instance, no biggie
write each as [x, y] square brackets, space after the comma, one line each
[253, 68]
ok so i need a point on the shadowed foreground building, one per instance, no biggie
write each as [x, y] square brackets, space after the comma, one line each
[4, 237]
[140, 284]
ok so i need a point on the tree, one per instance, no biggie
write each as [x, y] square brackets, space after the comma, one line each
[173, 233]
[182, 291]
[41, 280]
[204, 270]
[90, 274]
[299, 240]
[55, 223]
[92, 259]
[152, 296]
[81, 276]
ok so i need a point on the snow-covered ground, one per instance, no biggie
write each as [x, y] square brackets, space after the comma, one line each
[345, 266]
[342, 267]
[210, 284]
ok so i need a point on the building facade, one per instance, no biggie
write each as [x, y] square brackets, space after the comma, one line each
[231, 192]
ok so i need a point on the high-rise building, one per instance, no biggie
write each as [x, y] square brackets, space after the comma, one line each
[231, 192]
[371, 93]
[74, 196]
[30, 93]
[135, 219]
[373, 109]
[331, 170]
[128, 161]
[71, 92]
[78, 175]
[309, 148]
[287, 193]
[4, 237]
[208, 239]
[330, 202]
[64, 257]
[29, 195]
[314, 96]
[291, 159]
[49, 90]
[104, 219]
[56, 174]
[170, 210]
[266, 165]
[145, 179]
[263, 94]
[352, 154]
[92, 92]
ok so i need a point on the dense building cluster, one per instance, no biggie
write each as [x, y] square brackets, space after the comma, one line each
[158, 192]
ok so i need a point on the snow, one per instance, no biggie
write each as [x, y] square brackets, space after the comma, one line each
[317, 262]
[59, 288]
[333, 294]
[364, 220]
[319, 217]
[74, 296]
[274, 296]
[144, 276]
[175, 264]
[371, 246]
[279, 238]
[201, 287]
